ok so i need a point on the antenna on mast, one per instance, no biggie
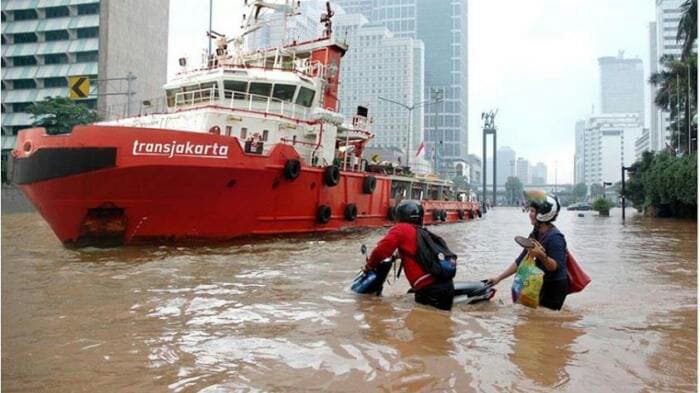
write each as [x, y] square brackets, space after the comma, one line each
[327, 21]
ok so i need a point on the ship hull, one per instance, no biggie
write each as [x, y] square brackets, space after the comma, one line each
[102, 185]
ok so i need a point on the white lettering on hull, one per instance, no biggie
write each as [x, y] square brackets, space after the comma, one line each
[180, 149]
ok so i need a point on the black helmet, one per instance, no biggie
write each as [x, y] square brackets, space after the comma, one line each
[546, 206]
[409, 211]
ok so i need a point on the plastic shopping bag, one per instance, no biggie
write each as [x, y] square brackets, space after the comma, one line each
[528, 283]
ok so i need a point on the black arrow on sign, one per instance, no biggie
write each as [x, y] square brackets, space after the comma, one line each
[76, 88]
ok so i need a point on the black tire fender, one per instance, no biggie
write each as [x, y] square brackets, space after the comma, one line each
[460, 214]
[292, 169]
[350, 212]
[323, 214]
[331, 175]
[369, 183]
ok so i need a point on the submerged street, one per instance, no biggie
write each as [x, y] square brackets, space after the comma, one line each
[277, 315]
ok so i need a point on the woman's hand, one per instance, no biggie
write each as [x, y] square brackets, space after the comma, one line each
[537, 251]
[493, 280]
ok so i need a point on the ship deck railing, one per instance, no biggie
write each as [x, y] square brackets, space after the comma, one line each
[241, 100]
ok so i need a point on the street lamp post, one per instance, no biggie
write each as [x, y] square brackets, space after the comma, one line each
[410, 109]
[622, 194]
[606, 183]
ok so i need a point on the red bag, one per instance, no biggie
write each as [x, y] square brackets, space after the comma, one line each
[578, 279]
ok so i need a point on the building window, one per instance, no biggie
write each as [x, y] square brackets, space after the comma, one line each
[55, 82]
[23, 60]
[56, 35]
[24, 38]
[265, 134]
[24, 84]
[228, 130]
[86, 57]
[89, 9]
[26, 14]
[244, 133]
[58, 58]
[88, 32]
[57, 12]
[20, 106]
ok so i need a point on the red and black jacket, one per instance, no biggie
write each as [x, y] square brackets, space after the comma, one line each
[403, 237]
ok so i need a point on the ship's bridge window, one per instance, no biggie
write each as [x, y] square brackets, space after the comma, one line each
[305, 97]
[209, 88]
[284, 92]
[260, 91]
[239, 87]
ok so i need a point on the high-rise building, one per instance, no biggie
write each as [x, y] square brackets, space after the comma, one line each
[302, 27]
[656, 137]
[621, 85]
[505, 164]
[442, 26]
[379, 68]
[609, 143]
[579, 156]
[662, 43]
[356, 6]
[539, 174]
[522, 170]
[45, 42]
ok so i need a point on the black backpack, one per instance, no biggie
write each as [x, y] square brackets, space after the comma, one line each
[433, 255]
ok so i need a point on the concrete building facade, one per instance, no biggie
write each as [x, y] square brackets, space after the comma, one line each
[579, 155]
[45, 42]
[539, 174]
[442, 26]
[505, 165]
[621, 85]
[609, 142]
[522, 170]
[379, 64]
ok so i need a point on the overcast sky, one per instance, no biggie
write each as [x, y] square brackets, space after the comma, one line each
[536, 61]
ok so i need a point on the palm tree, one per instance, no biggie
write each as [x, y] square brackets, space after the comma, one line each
[672, 95]
[688, 27]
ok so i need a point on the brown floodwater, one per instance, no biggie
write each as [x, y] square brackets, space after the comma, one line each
[277, 315]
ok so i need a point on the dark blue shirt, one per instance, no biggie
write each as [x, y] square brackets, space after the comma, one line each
[554, 245]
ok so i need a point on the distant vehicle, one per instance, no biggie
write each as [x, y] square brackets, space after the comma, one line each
[580, 206]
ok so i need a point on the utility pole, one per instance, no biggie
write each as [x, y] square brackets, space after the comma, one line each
[436, 96]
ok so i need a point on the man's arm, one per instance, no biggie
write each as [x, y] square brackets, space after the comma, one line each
[385, 247]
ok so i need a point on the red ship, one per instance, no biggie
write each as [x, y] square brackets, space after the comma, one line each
[251, 144]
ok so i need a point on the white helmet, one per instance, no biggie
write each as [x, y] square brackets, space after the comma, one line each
[546, 206]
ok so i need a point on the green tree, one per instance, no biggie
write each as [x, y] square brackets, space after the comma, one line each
[688, 26]
[580, 191]
[602, 206]
[596, 190]
[676, 93]
[514, 189]
[664, 184]
[59, 114]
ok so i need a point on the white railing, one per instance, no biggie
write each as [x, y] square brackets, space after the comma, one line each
[254, 102]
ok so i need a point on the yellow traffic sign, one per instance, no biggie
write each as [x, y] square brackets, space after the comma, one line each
[78, 87]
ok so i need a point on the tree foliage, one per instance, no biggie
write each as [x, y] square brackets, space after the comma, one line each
[664, 183]
[514, 189]
[59, 114]
[602, 205]
[688, 26]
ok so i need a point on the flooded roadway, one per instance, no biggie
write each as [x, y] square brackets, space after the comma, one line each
[277, 315]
